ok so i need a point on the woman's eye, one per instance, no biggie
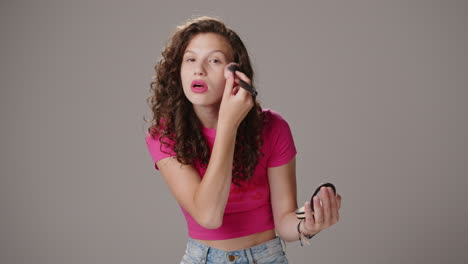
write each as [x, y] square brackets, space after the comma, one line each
[190, 59]
[215, 60]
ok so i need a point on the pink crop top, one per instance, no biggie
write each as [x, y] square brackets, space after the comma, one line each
[248, 209]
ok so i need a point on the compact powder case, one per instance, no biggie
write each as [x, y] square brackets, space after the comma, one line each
[300, 213]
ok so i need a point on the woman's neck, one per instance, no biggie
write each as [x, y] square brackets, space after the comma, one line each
[208, 115]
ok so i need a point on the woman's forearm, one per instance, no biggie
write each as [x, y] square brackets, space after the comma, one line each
[213, 192]
[287, 228]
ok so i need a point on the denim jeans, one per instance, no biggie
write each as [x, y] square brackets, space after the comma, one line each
[268, 252]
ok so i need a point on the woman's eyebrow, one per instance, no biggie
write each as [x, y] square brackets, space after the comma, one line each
[213, 51]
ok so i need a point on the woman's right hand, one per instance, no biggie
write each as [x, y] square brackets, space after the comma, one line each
[236, 102]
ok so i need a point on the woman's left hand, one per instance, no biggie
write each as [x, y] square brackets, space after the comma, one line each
[325, 214]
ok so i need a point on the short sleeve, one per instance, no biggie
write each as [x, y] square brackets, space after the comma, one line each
[158, 150]
[283, 148]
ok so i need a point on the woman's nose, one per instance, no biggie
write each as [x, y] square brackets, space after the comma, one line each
[199, 70]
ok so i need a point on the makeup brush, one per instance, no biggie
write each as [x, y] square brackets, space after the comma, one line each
[242, 83]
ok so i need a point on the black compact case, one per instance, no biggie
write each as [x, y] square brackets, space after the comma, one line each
[300, 213]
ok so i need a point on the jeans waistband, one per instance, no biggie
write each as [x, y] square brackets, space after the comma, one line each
[260, 251]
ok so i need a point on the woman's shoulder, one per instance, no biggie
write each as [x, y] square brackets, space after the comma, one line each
[278, 139]
[158, 147]
[273, 118]
[155, 134]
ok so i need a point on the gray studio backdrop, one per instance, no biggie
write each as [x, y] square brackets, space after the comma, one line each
[374, 92]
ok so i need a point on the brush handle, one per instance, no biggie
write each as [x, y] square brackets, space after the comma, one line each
[249, 88]
[233, 68]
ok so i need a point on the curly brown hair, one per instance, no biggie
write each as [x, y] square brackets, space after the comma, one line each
[173, 114]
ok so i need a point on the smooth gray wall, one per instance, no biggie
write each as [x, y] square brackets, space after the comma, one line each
[374, 91]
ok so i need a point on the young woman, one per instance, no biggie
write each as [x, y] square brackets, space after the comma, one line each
[229, 163]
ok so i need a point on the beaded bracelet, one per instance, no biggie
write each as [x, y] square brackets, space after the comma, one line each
[308, 237]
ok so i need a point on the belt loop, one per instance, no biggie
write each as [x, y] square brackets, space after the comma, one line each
[205, 254]
[285, 246]
[250, 256]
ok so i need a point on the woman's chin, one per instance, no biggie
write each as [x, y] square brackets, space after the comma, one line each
[205, 103]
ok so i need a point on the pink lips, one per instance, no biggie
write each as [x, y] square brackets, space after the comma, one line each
[199, 86]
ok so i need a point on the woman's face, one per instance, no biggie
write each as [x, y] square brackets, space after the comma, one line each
[202, 68]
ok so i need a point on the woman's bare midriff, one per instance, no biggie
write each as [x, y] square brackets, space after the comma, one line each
[239, 243]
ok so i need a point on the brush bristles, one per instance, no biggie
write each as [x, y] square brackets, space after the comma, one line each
[233, 68]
